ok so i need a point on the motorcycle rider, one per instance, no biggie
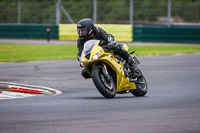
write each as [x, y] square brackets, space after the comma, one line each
[86, 31]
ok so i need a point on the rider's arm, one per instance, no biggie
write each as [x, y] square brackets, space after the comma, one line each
[80, 44]
[104, 36]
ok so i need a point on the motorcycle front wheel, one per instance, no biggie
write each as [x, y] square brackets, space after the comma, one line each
[106, 88]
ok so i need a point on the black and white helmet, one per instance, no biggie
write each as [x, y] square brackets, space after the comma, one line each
[85, 27]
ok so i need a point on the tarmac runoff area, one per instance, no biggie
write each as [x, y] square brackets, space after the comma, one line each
[12, 91]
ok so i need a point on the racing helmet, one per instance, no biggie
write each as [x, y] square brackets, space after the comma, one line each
[85, 27]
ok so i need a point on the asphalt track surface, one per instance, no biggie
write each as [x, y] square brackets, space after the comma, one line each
[172, 104]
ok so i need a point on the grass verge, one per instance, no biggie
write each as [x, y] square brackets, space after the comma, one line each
[23, 53]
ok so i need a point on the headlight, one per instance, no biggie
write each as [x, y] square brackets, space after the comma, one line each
[96, 56]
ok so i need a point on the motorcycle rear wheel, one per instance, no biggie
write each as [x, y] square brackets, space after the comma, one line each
[108, 90]
[141, 86]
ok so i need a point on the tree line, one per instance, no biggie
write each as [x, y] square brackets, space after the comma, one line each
[108, 11]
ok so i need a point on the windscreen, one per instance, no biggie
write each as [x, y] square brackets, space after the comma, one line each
[88, 46]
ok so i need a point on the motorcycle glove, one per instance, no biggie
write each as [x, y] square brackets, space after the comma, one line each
[110, 45]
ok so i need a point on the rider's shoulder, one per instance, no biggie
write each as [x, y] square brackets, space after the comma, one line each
[98, 29]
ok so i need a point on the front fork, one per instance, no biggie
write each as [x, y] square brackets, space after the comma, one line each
[104, 71]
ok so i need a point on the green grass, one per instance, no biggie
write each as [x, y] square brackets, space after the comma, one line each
[164, 49]
[23, 53]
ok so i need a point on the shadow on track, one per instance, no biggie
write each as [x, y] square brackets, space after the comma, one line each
[103, 98]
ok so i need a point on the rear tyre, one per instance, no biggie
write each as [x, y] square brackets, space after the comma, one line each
[106, 88]
[141, 86]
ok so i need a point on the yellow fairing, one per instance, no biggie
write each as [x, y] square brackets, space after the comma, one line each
[123, 83]
[107, 57]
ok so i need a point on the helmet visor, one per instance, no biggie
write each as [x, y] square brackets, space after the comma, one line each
[82, 32]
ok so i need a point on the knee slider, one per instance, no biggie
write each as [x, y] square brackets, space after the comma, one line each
[85, 74]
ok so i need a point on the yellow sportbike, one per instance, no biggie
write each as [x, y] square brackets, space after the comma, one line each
[109, 72]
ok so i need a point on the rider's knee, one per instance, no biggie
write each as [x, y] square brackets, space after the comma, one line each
[85, 74]
[122, 48]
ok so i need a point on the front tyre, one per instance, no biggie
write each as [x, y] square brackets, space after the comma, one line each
[141, 86]
[105, 87]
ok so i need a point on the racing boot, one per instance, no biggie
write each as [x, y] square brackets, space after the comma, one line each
[134, 72]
